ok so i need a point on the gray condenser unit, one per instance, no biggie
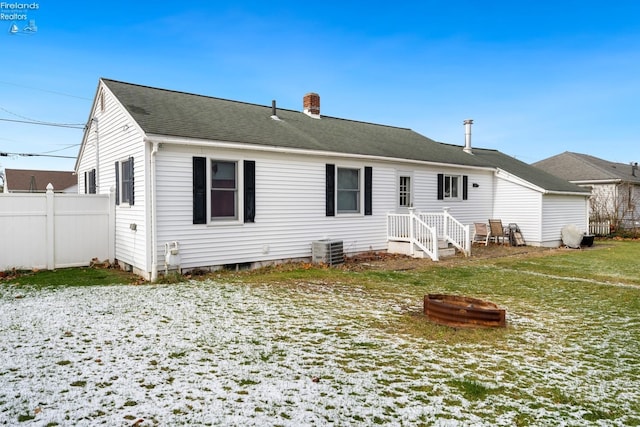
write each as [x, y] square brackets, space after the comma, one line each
[327, 251]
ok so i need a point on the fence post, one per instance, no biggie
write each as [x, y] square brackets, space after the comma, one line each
[411, 230]
[50, 238]
[445, 224]
[111, 240]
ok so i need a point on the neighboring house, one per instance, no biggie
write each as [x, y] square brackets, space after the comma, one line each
[36, 181]
[615, 187]
[235, 183]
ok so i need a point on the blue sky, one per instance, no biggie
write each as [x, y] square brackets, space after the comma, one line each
[538, 77]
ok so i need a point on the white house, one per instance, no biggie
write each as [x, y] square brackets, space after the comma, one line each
[615, 187]
[215, 182]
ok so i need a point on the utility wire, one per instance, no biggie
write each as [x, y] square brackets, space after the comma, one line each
[60, 125]
[5, 154]
[61, 149]
[45, 90]
[29, 120]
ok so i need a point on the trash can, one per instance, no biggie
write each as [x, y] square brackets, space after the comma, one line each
[587, 240]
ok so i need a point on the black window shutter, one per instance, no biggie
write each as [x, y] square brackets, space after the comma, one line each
[330, 194]
[465, 186]
[92, 181]
[131, 182]
[86, 183]
[368, 175]
[249, 191]
[199, 190]
[440, 186]
[117, 183]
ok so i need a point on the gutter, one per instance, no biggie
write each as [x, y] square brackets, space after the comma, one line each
[600, 181]
[164, 139]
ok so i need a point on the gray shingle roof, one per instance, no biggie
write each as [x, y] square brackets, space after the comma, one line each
[179, 114]
[165, 112]
[527, 172]
[582, 167]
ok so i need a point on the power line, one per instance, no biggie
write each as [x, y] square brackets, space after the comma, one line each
[6, 154]
[61, 149]
[45, 90]
[60, 125]
[30, 120]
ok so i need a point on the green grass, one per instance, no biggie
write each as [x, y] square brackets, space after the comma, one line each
[609, 261]
[71, 277]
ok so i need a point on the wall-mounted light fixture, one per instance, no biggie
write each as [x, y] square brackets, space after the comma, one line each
[476, 185]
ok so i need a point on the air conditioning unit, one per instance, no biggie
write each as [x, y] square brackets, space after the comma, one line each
[327, 251]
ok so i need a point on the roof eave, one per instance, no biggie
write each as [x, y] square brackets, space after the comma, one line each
[520, 181]
[167, 139]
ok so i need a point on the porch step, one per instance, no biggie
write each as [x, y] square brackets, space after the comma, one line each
[446, 252]
[442, 253]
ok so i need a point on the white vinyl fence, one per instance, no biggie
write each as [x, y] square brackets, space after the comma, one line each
[602, 228]
[53, 230]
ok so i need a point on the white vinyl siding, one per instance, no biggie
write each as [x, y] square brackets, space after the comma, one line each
[290, 211]
[558, 211]
[119, 138]
[290, 207]
[540, 216]
[519, 205]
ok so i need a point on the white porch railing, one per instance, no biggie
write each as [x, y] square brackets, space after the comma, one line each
[424, 229]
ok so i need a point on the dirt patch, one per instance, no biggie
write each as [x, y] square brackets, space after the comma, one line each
[395, 262]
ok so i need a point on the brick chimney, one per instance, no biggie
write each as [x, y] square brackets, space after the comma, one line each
[311, 105]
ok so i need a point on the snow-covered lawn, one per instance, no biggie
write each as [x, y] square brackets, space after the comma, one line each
[206, 353]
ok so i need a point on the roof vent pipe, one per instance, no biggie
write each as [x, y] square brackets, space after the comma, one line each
[274, 114]
[634, 168]
[467, 136]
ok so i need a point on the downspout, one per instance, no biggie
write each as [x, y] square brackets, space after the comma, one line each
[154, 250]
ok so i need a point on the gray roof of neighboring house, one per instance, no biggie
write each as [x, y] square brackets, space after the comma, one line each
[585, 168]
[179, 114]
[36, 181]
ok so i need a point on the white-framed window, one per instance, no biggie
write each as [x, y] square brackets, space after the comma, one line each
[452, 187]
[126, 189]
[348, 189]
[404, 191]
[125, 182]
[451, 190]
[223, 190]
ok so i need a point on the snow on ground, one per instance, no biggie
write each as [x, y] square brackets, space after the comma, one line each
[207, 353]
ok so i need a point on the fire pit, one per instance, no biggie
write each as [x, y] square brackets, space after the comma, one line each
[460, 311]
